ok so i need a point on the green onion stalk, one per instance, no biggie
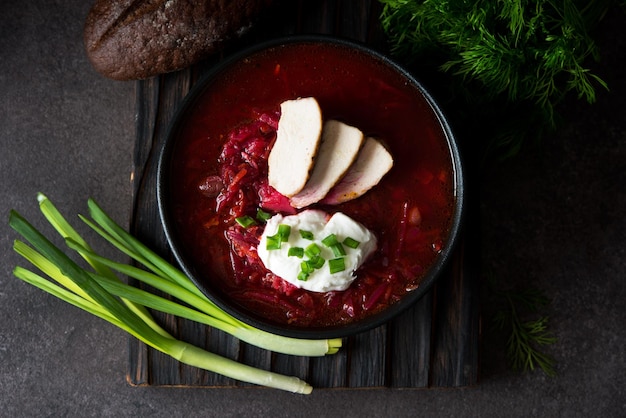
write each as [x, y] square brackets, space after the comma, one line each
[100, 292]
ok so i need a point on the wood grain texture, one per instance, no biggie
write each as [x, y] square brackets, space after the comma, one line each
[433, 344]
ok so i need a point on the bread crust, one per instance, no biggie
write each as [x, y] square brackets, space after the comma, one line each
[137, 39]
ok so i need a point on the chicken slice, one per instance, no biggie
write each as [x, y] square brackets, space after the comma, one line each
[372, 163]
[297, 140]
[338, 149]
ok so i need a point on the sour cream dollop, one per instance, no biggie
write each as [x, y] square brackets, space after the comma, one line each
[321, 226]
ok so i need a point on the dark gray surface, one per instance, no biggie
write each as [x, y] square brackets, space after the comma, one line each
[552, 218]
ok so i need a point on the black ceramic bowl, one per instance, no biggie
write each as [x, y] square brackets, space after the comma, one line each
[361, 87]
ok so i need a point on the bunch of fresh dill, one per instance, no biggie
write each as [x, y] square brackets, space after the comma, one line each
[510, 62]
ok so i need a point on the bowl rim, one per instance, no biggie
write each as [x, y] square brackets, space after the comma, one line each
[344, 330]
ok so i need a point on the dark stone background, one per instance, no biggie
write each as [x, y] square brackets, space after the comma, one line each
[551, 218]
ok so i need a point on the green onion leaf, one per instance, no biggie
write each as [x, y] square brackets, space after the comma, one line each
[316, 262]
[245, 221]
[295, 252]
[312, 250]
[336, 265]
[306, 235]
[283, 232]
[272, 242]
[351, 242]
[101, 293]
[306, 267]
[130, 246]
[303, 276]
[338, 250]
[262, 216]
[330, 240]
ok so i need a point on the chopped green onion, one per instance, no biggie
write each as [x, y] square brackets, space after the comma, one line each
[245, 221]
[336, 265]
[101, 293]
[316, 262]
[306, 234]
[306, 267]
[351, 242]
[312, 250]
[303, 276]
[272, 242]
[338, 250]
[262, 216]
[330, 240]
[283, 232]
[295, 252]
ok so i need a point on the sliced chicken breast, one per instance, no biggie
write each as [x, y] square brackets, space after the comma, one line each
[338, 149]
[297, 140]
[372, 163]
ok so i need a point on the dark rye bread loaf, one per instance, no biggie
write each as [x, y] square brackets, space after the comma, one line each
[137, 39]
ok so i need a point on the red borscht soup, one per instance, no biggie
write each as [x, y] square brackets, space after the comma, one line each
[218, 172]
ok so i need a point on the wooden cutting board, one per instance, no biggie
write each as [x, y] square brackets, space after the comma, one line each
[433, 344]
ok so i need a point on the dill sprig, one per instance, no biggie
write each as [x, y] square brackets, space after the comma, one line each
[525, 337]
[528, 52]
